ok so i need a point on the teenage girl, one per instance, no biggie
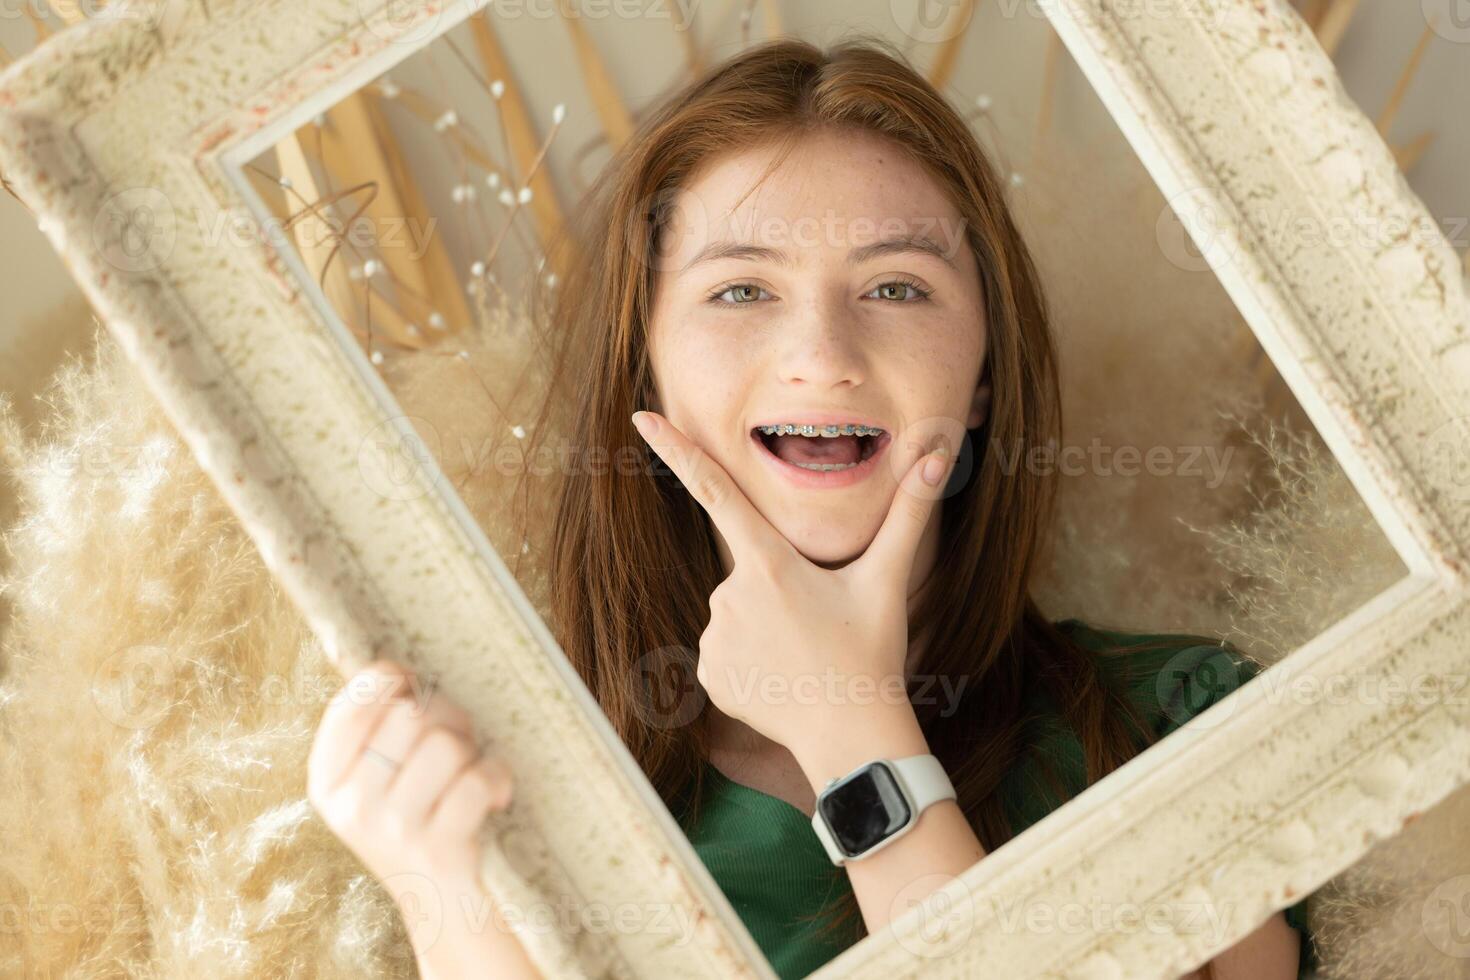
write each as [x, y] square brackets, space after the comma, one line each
[801, 293]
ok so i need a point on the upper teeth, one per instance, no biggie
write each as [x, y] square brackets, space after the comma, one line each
[829, 431]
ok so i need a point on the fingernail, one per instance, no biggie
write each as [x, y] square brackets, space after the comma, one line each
[646, 424]
[934, 467]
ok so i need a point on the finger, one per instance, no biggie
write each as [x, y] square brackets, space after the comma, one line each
[394, 738]
[350, 720]
[399, 735]
[428, 769]
[444, 710]
[891, 555]
[484, 785]
[745, 530]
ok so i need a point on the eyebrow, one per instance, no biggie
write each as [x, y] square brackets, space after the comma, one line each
[904, 244]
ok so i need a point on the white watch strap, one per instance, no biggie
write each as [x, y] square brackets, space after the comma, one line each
[923, 781]
[825, 836]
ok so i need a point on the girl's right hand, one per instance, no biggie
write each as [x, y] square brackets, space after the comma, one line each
[415, 825]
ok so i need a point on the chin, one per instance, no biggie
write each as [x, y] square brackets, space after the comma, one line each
[816, 542]
[828, 557]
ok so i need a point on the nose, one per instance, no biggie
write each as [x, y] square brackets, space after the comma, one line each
[821, 345]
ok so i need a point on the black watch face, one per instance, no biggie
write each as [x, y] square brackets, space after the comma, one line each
[864, 809]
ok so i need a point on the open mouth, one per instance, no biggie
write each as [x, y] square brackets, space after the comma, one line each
[821, 449]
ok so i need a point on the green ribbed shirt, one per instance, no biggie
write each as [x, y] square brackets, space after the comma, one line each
[767, 860]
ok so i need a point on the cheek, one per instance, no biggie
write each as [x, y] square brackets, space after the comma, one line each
[700, 374]
[961, 343]
[933, 371]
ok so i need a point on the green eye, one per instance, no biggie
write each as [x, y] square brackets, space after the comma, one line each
[919, 292]
[741, 289]
[744, 291]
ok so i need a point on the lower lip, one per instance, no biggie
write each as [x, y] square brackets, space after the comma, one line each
[818, 479]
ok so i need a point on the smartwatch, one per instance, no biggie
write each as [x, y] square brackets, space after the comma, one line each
[876, 804]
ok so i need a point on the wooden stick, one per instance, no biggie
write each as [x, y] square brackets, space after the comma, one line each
[771, 10]
[1334, 23]
[1408, 155]
[69, 12]
[416, 103]
[43, 29]
[442, 285]
[611, 109]
[1406, 78]
[693, 56]
[512, 183]
[747, 14]
[519, 131]
[1313, 12]
[352, 155]
[316, 237]
[515, 207]
[1048, 92]
[949, 52]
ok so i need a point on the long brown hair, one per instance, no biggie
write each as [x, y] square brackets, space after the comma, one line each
[632, 557]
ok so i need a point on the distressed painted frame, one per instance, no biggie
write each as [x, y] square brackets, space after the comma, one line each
[1237, 114]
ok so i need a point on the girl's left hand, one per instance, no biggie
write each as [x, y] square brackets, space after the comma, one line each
[791, 645]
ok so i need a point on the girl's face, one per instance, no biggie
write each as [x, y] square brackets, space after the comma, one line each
[814, 316]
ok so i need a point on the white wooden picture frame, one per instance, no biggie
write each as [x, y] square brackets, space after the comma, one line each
[1234, 110]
